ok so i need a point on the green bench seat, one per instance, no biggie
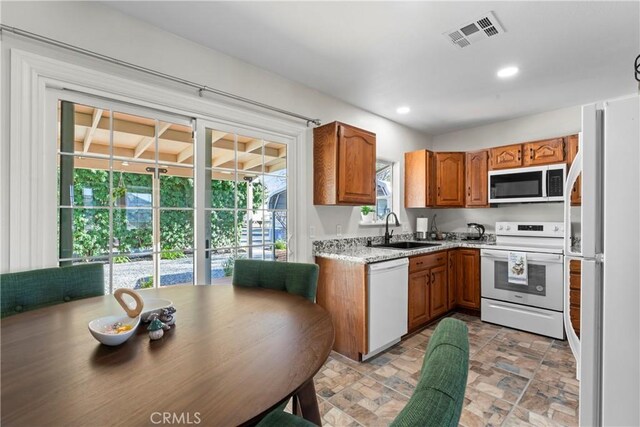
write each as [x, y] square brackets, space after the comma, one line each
[30, 290]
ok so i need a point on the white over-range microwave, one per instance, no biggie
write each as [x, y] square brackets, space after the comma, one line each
[524, 185]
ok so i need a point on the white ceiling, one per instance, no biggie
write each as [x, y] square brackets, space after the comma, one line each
[380, 55]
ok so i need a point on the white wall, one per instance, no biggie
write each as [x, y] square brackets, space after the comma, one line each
[550, 124]
[101, 29]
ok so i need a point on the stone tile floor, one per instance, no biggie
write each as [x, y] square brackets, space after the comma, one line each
[515, 379]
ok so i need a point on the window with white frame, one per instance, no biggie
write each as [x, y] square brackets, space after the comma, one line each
[384, 188]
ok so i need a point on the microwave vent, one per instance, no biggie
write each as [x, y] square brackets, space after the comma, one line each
[477, 30]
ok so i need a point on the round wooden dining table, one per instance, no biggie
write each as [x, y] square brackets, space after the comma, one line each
[233, 354]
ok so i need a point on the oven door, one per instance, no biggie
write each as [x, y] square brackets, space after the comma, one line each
[518, 185]
[545, 287]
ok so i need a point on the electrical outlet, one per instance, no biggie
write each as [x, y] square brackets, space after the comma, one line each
[312, 231]
[338, 230]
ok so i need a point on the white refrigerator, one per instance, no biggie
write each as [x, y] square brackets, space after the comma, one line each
[603, 234]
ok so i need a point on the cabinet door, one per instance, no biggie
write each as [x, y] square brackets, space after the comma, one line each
[431, 179]
[544, 152]
[418, 299]
[418, 179]
[438, 295]
[451, 279]
[572, 151]
[468, 278]
[356, 166]
[508, 156]
[450, 179]
[477, 174]
[574, 294]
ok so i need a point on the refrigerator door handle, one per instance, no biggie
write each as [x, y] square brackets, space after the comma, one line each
[572, 176]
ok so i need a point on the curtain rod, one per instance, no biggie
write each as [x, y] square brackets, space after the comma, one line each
[201, 88]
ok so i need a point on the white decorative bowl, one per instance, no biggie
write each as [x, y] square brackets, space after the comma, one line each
[98, 328]
[154, 306]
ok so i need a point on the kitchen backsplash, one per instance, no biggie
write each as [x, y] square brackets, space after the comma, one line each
[338, 245]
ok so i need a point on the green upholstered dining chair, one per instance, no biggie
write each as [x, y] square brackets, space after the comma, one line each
[29, 290]
[294, 278]
[438, 398]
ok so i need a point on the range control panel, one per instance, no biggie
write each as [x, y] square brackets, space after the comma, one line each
[530, 227]
[542, 229]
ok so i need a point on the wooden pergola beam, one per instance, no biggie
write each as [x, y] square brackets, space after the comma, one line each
[146, 141]
[185, 154]
[88, 137]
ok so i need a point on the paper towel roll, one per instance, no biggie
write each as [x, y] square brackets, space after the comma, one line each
[422, 225]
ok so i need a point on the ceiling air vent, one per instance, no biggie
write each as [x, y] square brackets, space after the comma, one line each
[472, 32]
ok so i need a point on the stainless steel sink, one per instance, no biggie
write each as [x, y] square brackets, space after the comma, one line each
[406, 245]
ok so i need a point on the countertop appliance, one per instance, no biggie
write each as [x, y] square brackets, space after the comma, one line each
[538, 305]
[474, 231]
[388, 291]
[522, 185]
[606, 224]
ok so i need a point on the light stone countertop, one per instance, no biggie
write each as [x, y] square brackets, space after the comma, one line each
[368, 255]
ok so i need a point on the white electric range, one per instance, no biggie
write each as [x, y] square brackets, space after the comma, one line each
[538, 305]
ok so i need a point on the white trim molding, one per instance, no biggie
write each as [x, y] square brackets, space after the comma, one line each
[32, 239]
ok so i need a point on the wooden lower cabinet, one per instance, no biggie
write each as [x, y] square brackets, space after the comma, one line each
[451, 278]
[468, 278]
[575, 269]
[438, 290]
[438, 282]
[342, 291]
[428, 288]
[418, 298]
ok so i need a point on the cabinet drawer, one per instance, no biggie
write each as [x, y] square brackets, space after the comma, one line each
[422, 262]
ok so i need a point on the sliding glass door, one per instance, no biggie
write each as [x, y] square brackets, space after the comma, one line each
[245, 185]
[126, 192]
[162, 201]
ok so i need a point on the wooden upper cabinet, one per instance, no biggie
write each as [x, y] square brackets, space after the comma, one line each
[508, 156]
[418, 179]
[544, 152]
[344, 165]
[476, 167]
[449, 179]
[572, 151]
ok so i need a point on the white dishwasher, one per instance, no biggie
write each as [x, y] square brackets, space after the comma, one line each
[388, 291]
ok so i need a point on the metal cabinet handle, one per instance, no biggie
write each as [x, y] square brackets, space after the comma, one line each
[433, 278]
[469, 191]
[438, 191]
[419, 263]
[519, 155]
[531, 153]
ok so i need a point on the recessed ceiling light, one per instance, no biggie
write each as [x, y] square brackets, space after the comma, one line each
[507, 72]
[403, 110]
